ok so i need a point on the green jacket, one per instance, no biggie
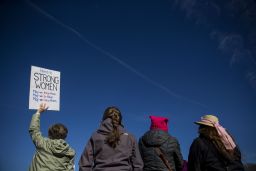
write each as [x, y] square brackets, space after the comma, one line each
[51, 154]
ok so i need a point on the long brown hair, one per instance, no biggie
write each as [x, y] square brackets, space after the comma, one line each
[212, 134]
[114, 114]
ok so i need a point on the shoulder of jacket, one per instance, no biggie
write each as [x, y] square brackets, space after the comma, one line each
[201, 143]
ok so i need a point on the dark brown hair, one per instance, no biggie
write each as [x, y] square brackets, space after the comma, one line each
[57, 131]
[212, 134]
[115, 115]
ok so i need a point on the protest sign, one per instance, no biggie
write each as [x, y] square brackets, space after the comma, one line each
[44, 88]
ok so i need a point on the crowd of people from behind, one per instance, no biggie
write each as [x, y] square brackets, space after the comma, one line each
[113, 148]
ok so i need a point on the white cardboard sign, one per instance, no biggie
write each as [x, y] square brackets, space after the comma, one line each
[44, 88]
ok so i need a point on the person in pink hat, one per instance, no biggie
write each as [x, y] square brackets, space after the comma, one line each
[159, 150]
[214, 149]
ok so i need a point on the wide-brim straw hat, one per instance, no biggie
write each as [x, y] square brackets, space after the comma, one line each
[208, 120]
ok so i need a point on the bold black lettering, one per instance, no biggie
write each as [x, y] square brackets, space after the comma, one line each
[36, 78]
[56, 80]
[54, 87]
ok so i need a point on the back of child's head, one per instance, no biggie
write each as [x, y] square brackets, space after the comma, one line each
[58, 131]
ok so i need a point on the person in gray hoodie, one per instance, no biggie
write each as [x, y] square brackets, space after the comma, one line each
[111, 147]
[52, 152]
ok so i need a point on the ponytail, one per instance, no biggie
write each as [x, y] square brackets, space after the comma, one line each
[113, 137]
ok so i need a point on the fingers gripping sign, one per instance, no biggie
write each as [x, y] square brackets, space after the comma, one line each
[42, 107]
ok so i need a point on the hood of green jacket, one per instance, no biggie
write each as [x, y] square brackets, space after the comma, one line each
[60, 148]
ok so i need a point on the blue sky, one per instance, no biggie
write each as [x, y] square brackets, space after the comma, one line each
[178, 59]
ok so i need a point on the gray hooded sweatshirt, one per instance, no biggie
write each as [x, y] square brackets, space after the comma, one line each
[99, 156]
[51, 154]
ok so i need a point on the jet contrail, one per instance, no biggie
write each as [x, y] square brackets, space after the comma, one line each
[116, 59]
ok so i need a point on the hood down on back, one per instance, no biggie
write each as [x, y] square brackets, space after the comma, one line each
[57, 155]
[106, 127]
[61, 148]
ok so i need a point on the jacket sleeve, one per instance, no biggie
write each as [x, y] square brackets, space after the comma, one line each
[136, 159]
[71, 165]
[195, 157]
[178, 158]
[35, 133]
[237, 163]
[140, 147]
[86, 161]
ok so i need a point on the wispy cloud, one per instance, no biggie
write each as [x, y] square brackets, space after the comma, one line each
[251, 76]
[239, 43]
[199, 11]
[233, 46]
[113, 57]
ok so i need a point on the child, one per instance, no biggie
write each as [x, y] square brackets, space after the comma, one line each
[52, 153]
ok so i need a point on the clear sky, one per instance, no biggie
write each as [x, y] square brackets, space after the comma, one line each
[178, 59]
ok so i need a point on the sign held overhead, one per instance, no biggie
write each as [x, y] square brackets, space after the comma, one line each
[44, 88]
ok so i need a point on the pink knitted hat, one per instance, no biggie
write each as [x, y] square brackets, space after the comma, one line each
[158, 122]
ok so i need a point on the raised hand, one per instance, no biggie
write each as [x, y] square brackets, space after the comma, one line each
[43, 107]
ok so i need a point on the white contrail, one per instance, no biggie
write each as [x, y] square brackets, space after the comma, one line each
[118, 60]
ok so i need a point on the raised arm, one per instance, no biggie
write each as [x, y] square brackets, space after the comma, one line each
[34, 128]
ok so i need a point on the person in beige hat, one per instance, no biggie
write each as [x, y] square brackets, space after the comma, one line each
[214, 149]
